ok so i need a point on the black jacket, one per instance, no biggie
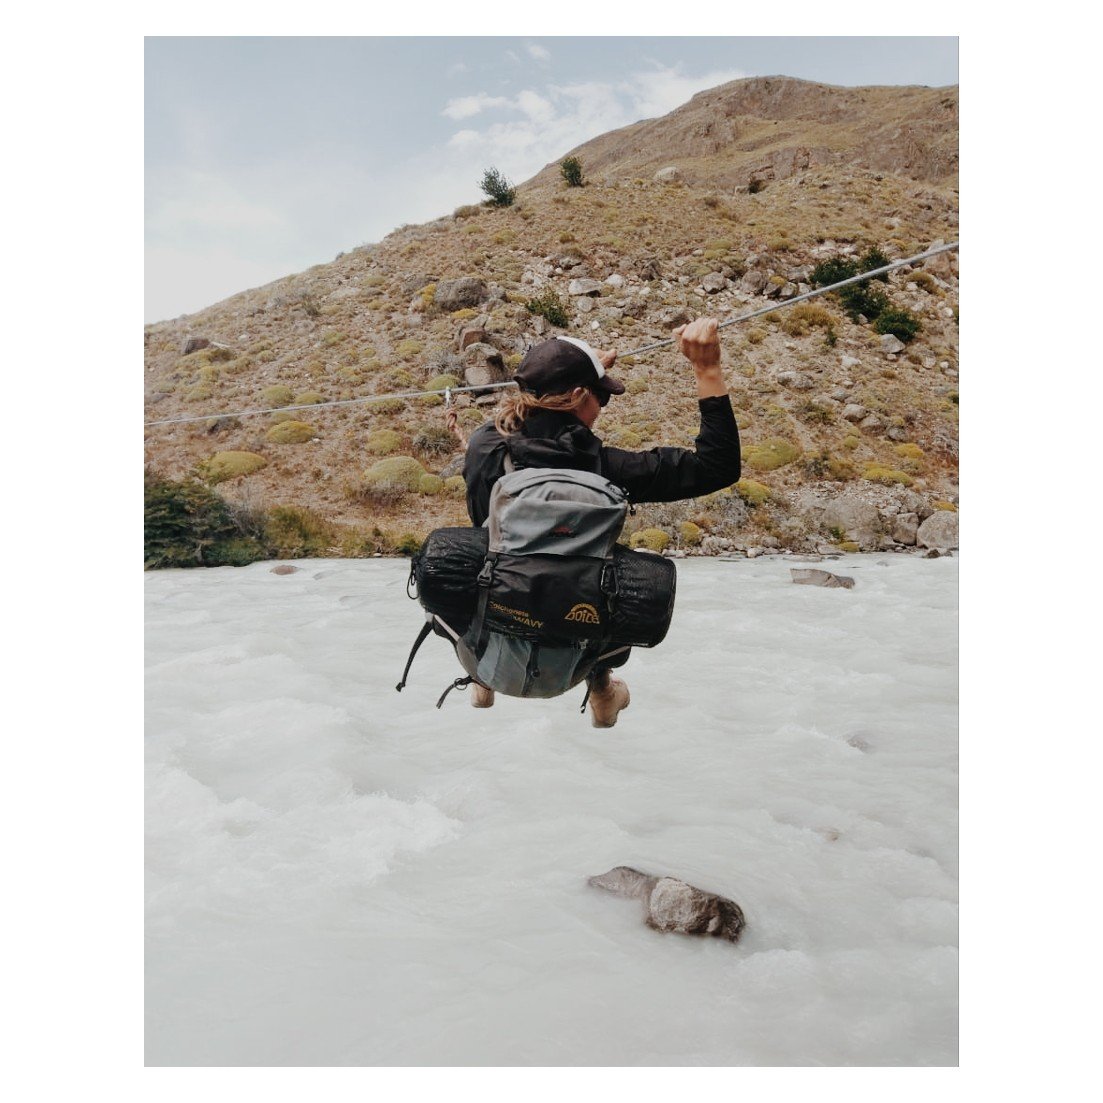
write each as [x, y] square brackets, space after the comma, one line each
[549, 438]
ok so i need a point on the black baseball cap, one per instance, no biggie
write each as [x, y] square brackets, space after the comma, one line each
[560, 365]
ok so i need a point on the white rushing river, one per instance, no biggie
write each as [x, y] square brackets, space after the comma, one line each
[339, 874]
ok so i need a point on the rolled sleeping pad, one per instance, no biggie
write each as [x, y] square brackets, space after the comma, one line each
[446, 570]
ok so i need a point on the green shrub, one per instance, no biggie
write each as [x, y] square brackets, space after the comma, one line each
[435, 440]
[395, 473]
[230, 465]
[691, 534]
[278, 395]
[297, 533]
[290, 432]
[455, 487]
[636, 386]
[430, 485]
[880, 473]
[949, 507]
[652, 539]
[382, 442]
[797, 320]
[834, 271]
[825, 466]
[571, 169]
[550, 306]
[386, 406]
[468, 210]
[408, 348]
[901, 323]
[753, 493]
[499, 190]
[308, 398]
[441, 382]
[813, 413]
[874, 258]
[770, 454]
[407, 544]
[755, 186]
[189, 525]
[863, 298]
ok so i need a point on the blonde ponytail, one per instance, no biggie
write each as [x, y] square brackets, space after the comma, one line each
[518, 405]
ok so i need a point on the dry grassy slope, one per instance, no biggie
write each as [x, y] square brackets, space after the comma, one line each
[358, 325]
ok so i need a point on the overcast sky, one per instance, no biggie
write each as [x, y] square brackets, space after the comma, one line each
[265, 156]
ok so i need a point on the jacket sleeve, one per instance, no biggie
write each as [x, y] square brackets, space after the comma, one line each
[670, 474]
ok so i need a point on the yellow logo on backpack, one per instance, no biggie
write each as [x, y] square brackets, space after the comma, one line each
[584, 614]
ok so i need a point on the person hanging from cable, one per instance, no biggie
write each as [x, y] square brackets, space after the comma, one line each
[563, 385]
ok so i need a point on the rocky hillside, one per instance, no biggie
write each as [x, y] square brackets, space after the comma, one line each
[728, 203]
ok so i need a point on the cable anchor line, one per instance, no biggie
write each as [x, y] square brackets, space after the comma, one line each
[449, 391]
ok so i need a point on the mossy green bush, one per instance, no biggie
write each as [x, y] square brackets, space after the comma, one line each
[230, 465]
[199, 392]
[571, 170]
[435, 440]
[652, 539]
[382, 442]
[290, 432]
[637, 386]
[430, 485]
[949, 507]
[799, 319]
[386, 406]
[278, 395]
[690, 533]
[627, 438]
[408, 348]
[887, 476]
[188, 525]
[901, 323]
[297, 533]
[851, 441]
[753, 493]
[768, 455]
[395, 473]
[548, 305]
[455, 487]
[408, 544]
[441, 382]
[849, 546]
[308, 398]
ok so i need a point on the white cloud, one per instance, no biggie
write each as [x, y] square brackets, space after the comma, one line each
[464, 107]
[538, 52]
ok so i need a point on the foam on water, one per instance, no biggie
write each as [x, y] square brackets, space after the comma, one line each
[342, 875]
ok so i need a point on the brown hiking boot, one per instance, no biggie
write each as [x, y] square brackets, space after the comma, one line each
[607, 701]
[481, 697]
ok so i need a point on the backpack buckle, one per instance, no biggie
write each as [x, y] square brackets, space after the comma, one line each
[486, 575]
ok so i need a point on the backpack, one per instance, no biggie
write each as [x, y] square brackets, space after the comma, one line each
[533, 601]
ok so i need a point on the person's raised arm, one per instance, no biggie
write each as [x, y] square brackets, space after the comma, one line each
[699, 342]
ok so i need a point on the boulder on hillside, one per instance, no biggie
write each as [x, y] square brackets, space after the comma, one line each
[713, 283]
[890, 343]
[667, 175]
[856, 519]
[854, 412]
[940, 530]
[615, 280]
[797, 380]
[483, 364]
[583, 287]
[456, 294]
[194, 344]
[905, 527]
[754, 282]
[649, 268]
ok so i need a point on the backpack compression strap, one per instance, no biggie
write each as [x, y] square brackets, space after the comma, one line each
[426, 628]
